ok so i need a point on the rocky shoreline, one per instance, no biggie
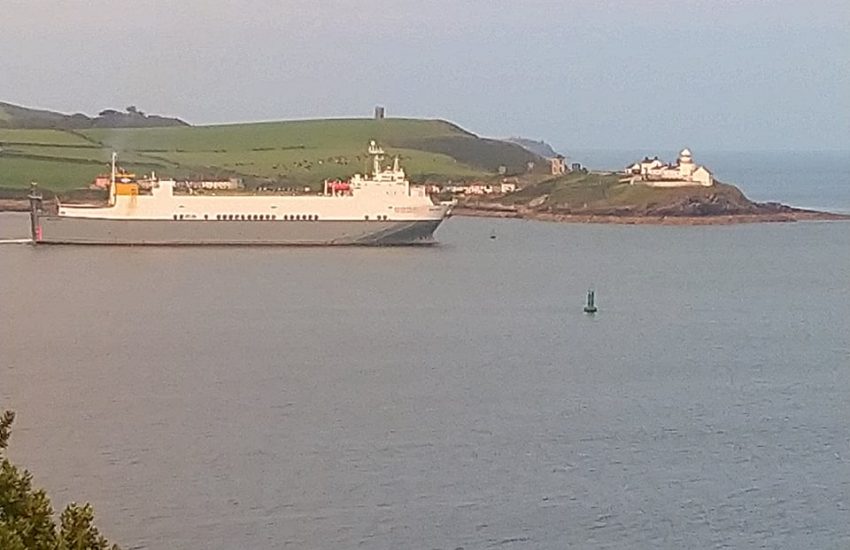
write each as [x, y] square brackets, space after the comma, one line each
[787, 214]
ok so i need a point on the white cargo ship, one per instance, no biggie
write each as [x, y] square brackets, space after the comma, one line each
[379, 209]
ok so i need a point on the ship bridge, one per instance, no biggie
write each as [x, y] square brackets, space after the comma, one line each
[390, 180]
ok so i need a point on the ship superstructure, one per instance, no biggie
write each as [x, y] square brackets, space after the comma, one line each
[378, 209]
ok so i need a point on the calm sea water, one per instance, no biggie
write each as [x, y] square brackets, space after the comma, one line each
[445, 397]
[819, 180]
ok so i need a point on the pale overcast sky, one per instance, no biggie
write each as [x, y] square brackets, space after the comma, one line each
[719, 75]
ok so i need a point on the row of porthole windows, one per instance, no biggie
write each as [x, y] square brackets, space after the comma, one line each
[252, 217]
[245, 217]
[380, 217]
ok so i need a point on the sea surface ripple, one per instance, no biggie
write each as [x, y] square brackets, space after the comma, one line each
[446, 397]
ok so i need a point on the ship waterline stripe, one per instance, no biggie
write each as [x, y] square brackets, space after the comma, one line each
[64, 230]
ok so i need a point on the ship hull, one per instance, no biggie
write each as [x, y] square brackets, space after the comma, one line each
[101, 231]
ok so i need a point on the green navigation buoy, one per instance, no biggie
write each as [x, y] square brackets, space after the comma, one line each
[590, 306]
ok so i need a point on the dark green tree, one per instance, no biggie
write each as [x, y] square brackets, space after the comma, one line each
[26, 516]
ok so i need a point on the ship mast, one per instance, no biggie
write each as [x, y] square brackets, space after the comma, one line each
[377, 156]
[112, 180]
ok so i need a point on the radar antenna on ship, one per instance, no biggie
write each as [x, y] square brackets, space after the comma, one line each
[377, 156]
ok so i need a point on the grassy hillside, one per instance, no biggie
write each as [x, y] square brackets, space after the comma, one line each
[285, 153]
[18, 117]
[537, 147]
[15, 116]
[43, 137]
[60, 160]
[485, 154]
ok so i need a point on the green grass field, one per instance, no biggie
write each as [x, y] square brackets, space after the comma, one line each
[310, 134]
[57, 175]
[44, 137]
[574, 188]
[54, 175]
[293, 152]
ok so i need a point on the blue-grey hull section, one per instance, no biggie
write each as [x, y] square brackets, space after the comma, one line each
[66, 230]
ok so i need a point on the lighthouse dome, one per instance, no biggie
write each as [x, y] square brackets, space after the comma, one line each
[685, 155]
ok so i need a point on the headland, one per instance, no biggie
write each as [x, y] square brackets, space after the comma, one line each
[646, 192]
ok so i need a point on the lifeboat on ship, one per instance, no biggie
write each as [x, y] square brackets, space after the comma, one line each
[337, 187]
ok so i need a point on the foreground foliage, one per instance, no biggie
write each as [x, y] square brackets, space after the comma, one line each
[26, 516]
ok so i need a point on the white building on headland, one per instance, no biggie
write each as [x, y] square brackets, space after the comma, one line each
[653, 172]
[557, 165]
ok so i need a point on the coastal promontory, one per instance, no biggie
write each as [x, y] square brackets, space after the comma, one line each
[603, 197]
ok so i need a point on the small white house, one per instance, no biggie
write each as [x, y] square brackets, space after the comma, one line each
[508, 187]
[645, 166]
